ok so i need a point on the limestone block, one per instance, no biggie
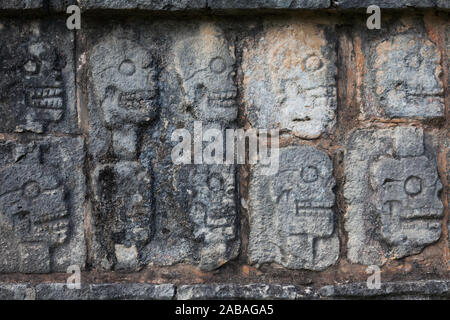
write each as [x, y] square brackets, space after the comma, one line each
[291, 213]
[392, 192]
[41, 205]
[290, 79]
[37, 77]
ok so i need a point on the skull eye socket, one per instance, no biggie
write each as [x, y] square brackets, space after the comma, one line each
[215, 183]
[310, 174]
[31, 67]
[313, 63]
[217, 65]
[31, 190]
[413, 185]
[127, 68]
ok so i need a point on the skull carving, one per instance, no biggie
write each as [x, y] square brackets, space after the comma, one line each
[304, 198]
[206, 65]
[305, 89]
[213, 212]
[40, 93]
[34, 202]
[407, 202]
[124, 80]
[407, 72]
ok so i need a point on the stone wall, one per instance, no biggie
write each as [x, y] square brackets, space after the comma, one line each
[86, 171]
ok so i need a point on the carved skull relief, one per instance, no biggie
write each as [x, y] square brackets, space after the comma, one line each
[291, 216]
[124, 80]
[303, 205]
[213, 213]
[35, 83]
[305, 92]
[407, 200]
[33, 201]
[206, 65]
[407, 71]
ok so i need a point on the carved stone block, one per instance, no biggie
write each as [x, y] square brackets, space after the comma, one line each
[402, 73]
[37, 86]
[291, 213]
[124, 101]
[42, 195]
[392, 190]
[290, 79]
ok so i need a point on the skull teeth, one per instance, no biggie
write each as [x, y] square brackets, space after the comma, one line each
[221, 96]
[52, 216]
[136, 100]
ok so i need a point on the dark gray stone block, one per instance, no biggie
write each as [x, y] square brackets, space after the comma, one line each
[413, 290]
[169, 213]
[37, 77]
[389, 4]
[116, 291]
[42, 194]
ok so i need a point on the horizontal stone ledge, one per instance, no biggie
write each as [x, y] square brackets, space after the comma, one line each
[60, 291]
[244, 292]
[187, 5]
[425, 289]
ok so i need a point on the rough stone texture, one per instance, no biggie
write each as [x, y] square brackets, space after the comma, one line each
[124, 101]
[168, 213]
[289, 79]
[13, 291]
[268, 4]
[41, 5]
[249, 292]
[22, 4]
[42, 195]
[117, 291]
[166, 5]
[37, 86]
[414, 290]
[195, 205]
[291, 216]
[392, 191]
[387, 4]
[402, 72]
[175, 5]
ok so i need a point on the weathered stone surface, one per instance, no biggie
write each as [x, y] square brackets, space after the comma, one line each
[414, 290]
[237, 291]
[124, 101]
[291, 217]
[290, 79]
[402, 73]
[147, 210]
[166, 5]
[37, 86]
[176, 5]
[13, 291]
[42, 194]
[350, 4]
[268, 4]
[22, 4]
[392, 190]
[195, 205]
[115, 291]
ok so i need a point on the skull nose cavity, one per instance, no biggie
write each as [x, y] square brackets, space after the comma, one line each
[413, 185]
